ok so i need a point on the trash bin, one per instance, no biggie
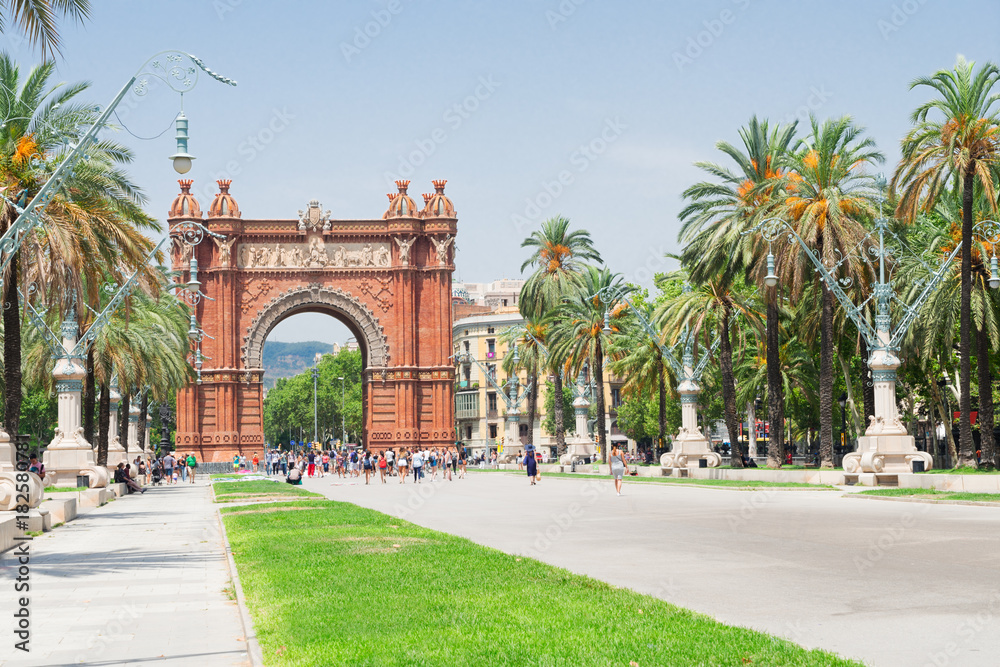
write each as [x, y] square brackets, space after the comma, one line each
[83, 480]
[702, 463]
[918, 465]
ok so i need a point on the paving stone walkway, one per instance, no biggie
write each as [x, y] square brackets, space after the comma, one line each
[138, 581]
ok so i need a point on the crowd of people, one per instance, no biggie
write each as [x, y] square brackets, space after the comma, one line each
[383, 466]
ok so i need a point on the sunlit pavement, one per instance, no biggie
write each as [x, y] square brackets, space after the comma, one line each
[890, 583]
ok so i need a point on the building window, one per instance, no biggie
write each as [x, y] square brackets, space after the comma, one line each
[491, 401]
[490, 330]
[468, 433]
[466, 346]
[466, 333]
[491, 348]
[616, 397]
[493, 431]
[491, 370]
[504, 301]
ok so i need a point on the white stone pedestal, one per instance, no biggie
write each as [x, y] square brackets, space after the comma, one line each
[69, 454]
[579, 446]
[690, 445]
[885, 448]
[10, 487]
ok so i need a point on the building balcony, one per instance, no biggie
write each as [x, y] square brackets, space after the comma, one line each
[467, 405]
[492, 415]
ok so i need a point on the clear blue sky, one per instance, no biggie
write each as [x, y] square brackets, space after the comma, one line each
[502, 98]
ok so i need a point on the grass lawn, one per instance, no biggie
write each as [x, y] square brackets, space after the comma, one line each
[228, 492]
[967, 470]
[728, 483]
[60, 489]
[330, 583]
[937, 495]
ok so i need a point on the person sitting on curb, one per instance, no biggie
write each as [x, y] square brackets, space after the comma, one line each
[294, 476]
[35, 466]
[122, 477]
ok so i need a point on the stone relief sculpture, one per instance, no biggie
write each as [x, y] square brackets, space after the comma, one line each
[314, 255]
[441, 247]
[404, 249]
[225, 249]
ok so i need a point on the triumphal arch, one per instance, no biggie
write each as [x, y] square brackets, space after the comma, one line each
[388, 280]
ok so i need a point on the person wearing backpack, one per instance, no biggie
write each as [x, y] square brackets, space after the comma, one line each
[382, 466]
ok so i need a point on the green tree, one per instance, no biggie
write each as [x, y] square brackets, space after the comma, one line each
[558, 257]
[954, 137]
[827, 196]
[38, 20]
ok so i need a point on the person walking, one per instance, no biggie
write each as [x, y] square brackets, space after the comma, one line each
[182, 466]
[383, 465]
[418, 464]
[168, 467]
[192, 463]
[531, 466]
[401, 466]
[618, 467]
[369, 468]
[311, 457]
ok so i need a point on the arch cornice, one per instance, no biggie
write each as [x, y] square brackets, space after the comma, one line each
[299, 298]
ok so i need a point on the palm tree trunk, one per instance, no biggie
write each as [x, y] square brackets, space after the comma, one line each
[12, 350]
[532, 405]
[867, 386]
[728, 385]
[966, 451]
[89, 399]
[986, 444]
[661, 435]
[103, 424]
[143, 411]
[123, 410]
[826, 379]
[557, 407]
[602, 427]
[775, 389]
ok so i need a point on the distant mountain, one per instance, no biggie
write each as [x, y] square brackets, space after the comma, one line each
[282, 360]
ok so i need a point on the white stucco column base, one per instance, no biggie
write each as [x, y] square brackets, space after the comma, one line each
[690, 445]
[9, 483]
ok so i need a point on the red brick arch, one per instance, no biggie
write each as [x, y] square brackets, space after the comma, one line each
[388, 280]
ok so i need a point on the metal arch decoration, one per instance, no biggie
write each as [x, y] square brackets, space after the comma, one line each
[579, 387]
[169, 67]
[192, 233]
[509, 390]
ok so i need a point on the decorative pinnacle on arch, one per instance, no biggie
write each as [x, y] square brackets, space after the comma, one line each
[185, 184]
[402, 185]
[439, 186]
[224, 185]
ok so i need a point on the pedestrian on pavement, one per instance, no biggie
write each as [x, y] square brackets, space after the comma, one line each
[168, 466]
[182, 467]
[369, 467]
[401, 466]
[531, 466]
[382, 466]
[192, 463]
[618, 467]
[418, 464]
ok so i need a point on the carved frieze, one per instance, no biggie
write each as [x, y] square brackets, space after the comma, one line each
[314, 254]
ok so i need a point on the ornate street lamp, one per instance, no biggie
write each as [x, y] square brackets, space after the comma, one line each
[886, 447]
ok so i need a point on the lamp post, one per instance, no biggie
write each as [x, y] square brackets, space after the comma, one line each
[165, 419]
[886, 447]
[509, 391]
[842, 401]
[315, 376]
[343, 411]
[690, 445]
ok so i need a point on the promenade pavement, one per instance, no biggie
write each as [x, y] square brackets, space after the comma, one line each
[138, 581]
[893, 584]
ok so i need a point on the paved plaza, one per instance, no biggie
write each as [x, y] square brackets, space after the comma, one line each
[894, 584]
[137, 581]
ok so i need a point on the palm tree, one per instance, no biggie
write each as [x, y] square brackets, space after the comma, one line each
[578, 335]
[530, 358]
[963, 144]
[558, 257]
[92, 225]
[826, 196]
[37, 19]
[713, 227]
